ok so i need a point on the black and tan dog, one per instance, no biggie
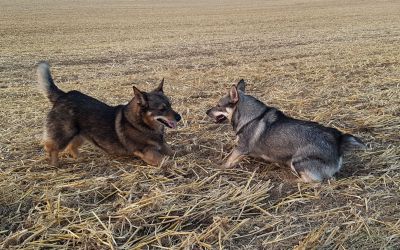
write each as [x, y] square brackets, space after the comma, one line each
[312, 151]
[136, 128]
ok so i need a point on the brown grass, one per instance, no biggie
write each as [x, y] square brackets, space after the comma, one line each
[335, 62]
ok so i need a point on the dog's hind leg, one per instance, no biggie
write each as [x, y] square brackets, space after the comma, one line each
[310, 170]
[73, 146]
[51, 147]
[54, 145]
[59, 131]
[309, 176]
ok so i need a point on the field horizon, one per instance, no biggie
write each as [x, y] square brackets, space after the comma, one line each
[332, 62]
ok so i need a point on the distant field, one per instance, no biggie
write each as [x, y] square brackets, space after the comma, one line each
[334, 62]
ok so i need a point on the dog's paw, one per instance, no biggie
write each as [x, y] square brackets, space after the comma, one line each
[226, 165]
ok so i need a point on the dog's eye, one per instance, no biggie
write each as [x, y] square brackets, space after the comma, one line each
[163, 108]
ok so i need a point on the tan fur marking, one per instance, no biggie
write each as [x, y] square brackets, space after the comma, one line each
[151, 122]
[230, 113]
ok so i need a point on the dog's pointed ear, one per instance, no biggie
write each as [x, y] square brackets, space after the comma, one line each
[241, 85]
[233, 93]
[160, 87]
[140, 97]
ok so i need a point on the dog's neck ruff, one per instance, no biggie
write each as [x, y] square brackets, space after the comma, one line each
[247, 110]
[240, 130]
[139, 125]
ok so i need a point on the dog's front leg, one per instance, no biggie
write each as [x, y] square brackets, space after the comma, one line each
[150, 156]
[236, 156]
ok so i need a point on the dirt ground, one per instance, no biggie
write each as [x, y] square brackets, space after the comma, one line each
[334, 62]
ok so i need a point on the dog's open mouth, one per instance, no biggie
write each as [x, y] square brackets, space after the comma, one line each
[220, 118]
[168, 123]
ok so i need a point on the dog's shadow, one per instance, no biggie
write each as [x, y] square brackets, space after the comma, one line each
[353, 165]
[269, 171]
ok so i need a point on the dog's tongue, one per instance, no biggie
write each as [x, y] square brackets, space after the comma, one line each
[172, 124]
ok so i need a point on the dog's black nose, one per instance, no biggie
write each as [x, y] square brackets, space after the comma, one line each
[208, 112]
[177, 117]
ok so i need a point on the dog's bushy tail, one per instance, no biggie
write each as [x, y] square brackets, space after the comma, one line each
[350, 142]
[46, 83]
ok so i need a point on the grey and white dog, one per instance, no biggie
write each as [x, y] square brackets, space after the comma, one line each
[313, 152]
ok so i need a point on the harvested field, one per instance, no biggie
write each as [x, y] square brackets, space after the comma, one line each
[334, 62]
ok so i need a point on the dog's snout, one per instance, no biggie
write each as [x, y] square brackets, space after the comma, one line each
[208, 112]
[177, 117]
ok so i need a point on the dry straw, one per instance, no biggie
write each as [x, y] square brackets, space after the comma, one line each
[324, 62]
